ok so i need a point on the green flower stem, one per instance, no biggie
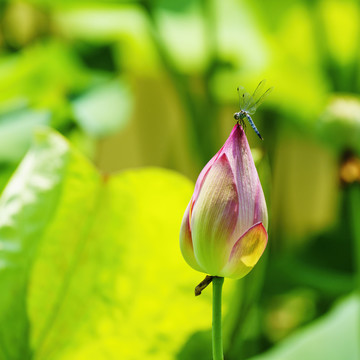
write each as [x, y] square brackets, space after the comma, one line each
[216, 321]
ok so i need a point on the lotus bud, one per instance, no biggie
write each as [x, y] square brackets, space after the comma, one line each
[224, 228]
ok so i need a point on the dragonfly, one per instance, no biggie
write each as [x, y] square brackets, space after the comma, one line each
[249, 103]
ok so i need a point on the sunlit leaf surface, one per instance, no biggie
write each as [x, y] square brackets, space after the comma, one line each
[90, 264]
[26, 207]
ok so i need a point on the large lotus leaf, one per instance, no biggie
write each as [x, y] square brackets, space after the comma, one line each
[92, 267]
[26, 207]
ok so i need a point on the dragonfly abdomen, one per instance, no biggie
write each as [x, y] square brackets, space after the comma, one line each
[253, 125]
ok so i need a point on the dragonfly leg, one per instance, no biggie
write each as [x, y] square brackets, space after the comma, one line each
[242, 123]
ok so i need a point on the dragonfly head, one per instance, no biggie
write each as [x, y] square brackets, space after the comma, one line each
[239, 115]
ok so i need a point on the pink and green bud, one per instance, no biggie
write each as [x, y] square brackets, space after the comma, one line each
[223, 232]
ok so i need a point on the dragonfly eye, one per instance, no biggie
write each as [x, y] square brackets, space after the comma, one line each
[237, 116]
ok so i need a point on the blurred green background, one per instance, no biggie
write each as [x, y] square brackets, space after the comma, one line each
[108, 112]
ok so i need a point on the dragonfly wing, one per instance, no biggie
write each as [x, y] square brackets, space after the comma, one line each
[241, 91]
[248, 101]
[260, 89]
[259, 101]
[245, 99]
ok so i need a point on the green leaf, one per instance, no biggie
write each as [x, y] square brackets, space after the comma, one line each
[339, 125]
[42, 75]
[182, 26]
[15, 132]
[90, 265]
[333, 337]
[123, 25]
[5, 173]
[103, 110]
[26, 206]
[101, 22]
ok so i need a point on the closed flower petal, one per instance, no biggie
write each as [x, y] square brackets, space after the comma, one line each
[186, 245]
[246, 252]
[214, 216]
[251, 197]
